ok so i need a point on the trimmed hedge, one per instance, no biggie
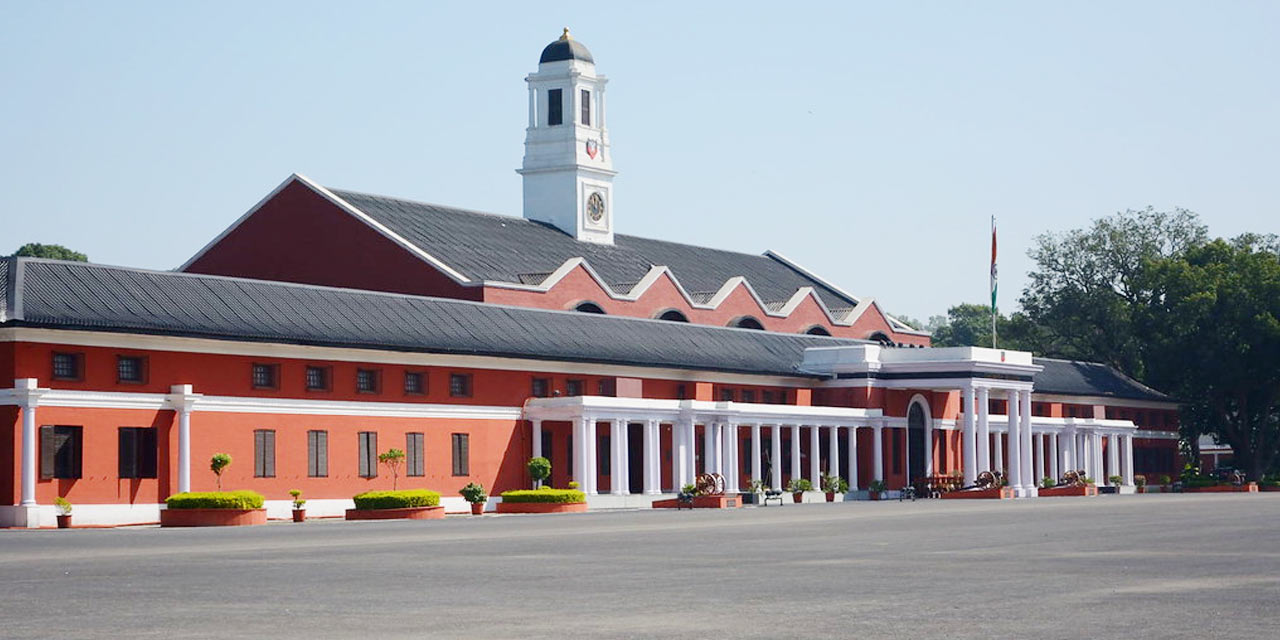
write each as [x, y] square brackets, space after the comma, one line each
[215, 500]
[545, 494]
[403, 499]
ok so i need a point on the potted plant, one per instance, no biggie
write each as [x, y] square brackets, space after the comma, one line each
[476, 495]
[299, 505]
[64, 512]
[1140, 481]
[797, 487]
[1047, 483]
[832, 485]
[1164, 483]
[213, 509]
[876, 489]
[392, 459]
[218, 463]
[539, 470]
[754, 491]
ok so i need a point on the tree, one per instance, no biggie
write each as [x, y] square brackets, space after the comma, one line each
[1213, 328]
[218, 463]
[969, 325]
[392, 459]
[51, 251]
[1087, 286]
[539, 470]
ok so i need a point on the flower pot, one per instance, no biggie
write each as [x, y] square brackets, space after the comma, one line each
[831, 496]
[873, 495]
[1142, 489]
[477, 508]
[299, 515]
[64, 521]
[798, 497]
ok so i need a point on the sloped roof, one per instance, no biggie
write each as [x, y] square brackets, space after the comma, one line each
[74, 295]
[491, 247]
[1075, 378]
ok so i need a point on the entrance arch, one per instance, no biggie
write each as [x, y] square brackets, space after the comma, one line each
[918, 449]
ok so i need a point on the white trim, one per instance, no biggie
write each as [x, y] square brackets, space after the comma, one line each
[795, 266]
[1109, 401]
[379, 356]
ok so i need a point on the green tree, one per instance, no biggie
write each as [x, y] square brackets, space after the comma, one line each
[219, 463]
[539, 469]
[392, 458]
[1087, 287]
[1213, 334]
[51, 251]
[969, 325]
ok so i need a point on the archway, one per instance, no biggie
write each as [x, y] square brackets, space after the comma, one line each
[672, 315]
[817, 330]
[883, 339]
[747, 322]
[918, 449]
[588, 307]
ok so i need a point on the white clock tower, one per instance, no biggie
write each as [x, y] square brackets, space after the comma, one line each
[568, 167]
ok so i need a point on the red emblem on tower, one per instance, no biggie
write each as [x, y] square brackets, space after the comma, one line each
[593, 148]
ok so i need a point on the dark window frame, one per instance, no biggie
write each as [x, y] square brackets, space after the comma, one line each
[461, 385]
[264, 453]
[585, 107]
[273, 371]
[421, 377]
[371, 376]
[367, 454]
[414, 451]
[141, 369]
[137, 452]
[57, 462]
[326, 374]
[77, 362]
[555, 107]
[574, 387]
[540, 387]
[460, 446]
[317, 453]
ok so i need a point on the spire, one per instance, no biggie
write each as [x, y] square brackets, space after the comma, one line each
[565, 35]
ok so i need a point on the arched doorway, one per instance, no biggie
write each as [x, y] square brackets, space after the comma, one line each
[917, 449]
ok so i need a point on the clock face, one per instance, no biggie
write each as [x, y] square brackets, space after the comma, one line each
[595, 207]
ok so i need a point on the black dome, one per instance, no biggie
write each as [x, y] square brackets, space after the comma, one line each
[565, 48]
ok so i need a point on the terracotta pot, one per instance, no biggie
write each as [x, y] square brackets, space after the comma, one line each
[477, 508]
[1142, 489]
[299, 515]
[873, 495]
[831, 497]
[797, 497]
[64, 522]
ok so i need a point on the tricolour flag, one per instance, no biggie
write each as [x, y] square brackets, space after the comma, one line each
[993, 264]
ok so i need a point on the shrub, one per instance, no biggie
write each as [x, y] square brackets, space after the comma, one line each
[1140, 480]
[559, 496]
[402, 499]
[215, 500]
[1048, 483]
[298, 502]
[474, 493]
[217, 464]
[573, 485]
[877, 486]
[63, 505]
[689, 490]
[1197, 481]
[539, 469]
[799, 485]
[834, 484]
[1115, 480]
[1165, 479]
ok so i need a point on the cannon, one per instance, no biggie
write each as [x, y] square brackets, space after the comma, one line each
[710, 484]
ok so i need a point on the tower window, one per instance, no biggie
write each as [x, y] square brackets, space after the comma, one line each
[586, 108]
[555, 107]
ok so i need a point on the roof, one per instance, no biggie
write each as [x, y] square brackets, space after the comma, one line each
[1075, 378]
[74, 295]
[491, 247]
[565, 48]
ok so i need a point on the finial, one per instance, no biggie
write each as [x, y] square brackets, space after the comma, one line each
[565, 35]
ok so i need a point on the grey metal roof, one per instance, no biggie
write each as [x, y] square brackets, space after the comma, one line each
[485, 246]
[75, 295]
[565, 48]
[5, 303]
[1075, 378]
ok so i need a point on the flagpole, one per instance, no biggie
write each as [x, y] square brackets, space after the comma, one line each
[993, 282]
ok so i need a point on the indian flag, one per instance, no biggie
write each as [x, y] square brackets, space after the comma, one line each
[993, 265]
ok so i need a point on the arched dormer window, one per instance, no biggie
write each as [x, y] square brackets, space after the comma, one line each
[588, 307]
[746, 322]
[884, 340]
[817, 330]
[672, 315]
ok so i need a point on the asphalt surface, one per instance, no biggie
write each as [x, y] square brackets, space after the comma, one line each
[1154, 566]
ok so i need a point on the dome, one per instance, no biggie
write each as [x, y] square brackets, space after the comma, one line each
[565, 48]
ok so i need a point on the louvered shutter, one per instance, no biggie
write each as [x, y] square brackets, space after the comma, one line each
[47, 450]
[364, 455]
[147, 453]
[322, 453]
[269, 454]
[127, 466]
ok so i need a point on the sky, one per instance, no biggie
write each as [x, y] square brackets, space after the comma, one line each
[870, 142]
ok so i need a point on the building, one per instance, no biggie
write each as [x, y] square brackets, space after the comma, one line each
[325, 326]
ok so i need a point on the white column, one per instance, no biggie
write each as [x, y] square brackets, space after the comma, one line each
[775, 455]
[1055, 457]
[1037, 462]
[679, 455]
[998, 454]
[650, 451]
[833, 443]
[691, 452]
[537, 441]
[1098, 459]
[928, 446]
[756, 466]
[984, 433]
[853, 458]
[183, 402]
[796, 471]
[615, 456]
[708, 448]
[815, 466]
[1014, 442]
[729, 457]
[581, 454]
[1113, 456]
[1128, 460]
[1068, 451]
[717, 443]
[1028, 468]
[969, 442]
[877, 455]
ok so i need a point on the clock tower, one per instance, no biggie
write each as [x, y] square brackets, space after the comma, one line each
[568, 165]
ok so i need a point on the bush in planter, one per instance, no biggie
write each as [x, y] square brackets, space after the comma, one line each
[544, 495]
[799, 485]
[689, 490]
[877, 487]
[834, 484]
[1140, 480]
[539, 470]
[298, 502]
[573, 485]
[1115, 480]
[63, 505]
[404, 499]
[1048, 483]
[474, 493]
[215, 500]
[1165, 479]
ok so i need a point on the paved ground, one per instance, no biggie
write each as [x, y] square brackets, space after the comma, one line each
[1157, 566]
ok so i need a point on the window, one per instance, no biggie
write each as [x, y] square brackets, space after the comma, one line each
[606, 387]
[769, 397]
[367, 381]
[896, 438]
[460, 385]
[317, 454]
[264, 453]
[67, 366]
[462, 454]
[573, 387]
[264, 376]
[414, 382]
[317, 378]
[540, 388]
[748, 396]
[137, 452]
[726, 395]
[681, 392]
[547, 443]
[555, 107]
[130, 369]
[586, 108]
[413, 455]
[368, 466]
[747, 322]
[60, 449]
[671, 315]
[603, 443]
[589, 307]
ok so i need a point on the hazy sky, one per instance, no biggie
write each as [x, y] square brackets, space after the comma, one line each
[869, 142]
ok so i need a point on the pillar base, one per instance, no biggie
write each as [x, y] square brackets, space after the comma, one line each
[21, 516]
